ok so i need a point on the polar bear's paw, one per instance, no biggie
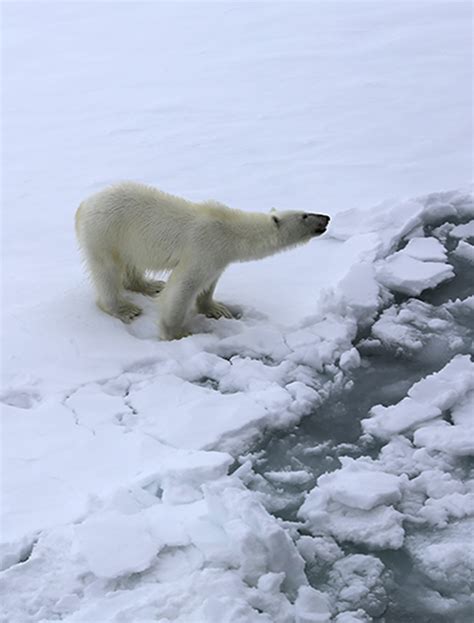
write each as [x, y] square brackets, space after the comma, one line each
[216, 310]
[175, 333]
[152, 288]
[148, 288]
[127, 312]
[181, 334]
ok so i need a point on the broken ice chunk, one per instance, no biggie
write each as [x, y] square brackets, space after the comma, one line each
[402, 273]
[357, 581]
[455, 440]
[312, 606]
[465, 251]
[362, 489]
[350, 505]
[296, 477]
[426, 249]
[445, 388]
[378, 528]
[360, 290]
[425, 401]
[463, 231]
[385, 422]
[446, 560]
[463, 411]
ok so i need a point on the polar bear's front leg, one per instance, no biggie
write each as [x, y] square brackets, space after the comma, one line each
[206, 305]
[177, 300]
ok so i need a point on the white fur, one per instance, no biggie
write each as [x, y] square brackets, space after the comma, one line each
[131, 228]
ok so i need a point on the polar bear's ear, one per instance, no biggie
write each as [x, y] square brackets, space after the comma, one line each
[272, 210]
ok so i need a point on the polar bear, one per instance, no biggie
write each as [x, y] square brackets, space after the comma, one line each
[131, 228]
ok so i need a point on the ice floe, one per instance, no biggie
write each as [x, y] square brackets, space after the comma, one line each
[161, 516]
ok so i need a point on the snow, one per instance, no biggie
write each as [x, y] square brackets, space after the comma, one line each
[101, 541]
[119, 499]
[361, 291]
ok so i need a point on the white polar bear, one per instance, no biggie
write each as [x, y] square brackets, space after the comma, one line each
[130, 228]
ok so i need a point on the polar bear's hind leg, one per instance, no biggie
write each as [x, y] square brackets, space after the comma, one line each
[136, 282]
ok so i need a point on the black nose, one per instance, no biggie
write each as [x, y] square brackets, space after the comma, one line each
[322, 217]
[317, 221]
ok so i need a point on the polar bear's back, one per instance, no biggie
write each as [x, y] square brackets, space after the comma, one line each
[143, 225]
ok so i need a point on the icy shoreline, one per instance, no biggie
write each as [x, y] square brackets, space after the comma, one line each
[158, 516]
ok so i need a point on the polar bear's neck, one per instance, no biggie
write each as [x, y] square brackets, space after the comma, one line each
[253, 235]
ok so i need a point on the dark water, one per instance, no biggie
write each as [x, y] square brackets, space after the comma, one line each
[334, 429]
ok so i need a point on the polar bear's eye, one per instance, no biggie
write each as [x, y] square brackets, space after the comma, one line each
[276, 220]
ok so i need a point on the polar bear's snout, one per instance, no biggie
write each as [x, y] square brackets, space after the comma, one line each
[317, 222]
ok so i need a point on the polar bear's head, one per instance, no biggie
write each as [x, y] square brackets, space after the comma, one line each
[298, 227]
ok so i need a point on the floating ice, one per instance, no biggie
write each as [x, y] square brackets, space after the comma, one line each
[426, 250]
[402, 273]
[420, 329]
[425, 401]
[358, 582]
[457, 440]
[294, 477]
[463, 231]
[446, 561]
[393, 420]
[350, 504]
[447, 387]
[465, 251]
[361, 489]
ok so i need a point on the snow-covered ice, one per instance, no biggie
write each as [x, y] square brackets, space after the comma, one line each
[426, 249]
[426, 400]
[406, 274]
[136, 483]
[355, 505]
[465, 251]
[466, 230]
